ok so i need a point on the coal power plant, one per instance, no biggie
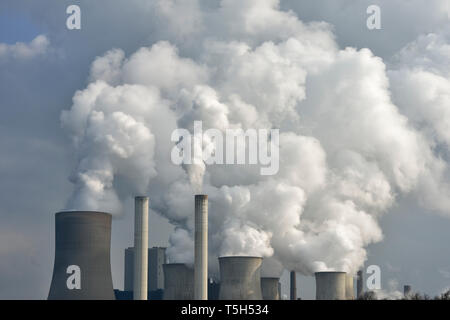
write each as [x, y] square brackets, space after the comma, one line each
[82, 267]
[240, 278]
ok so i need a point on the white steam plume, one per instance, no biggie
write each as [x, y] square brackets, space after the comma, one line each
[346, 148]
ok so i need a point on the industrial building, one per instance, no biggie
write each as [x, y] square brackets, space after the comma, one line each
[82, 267]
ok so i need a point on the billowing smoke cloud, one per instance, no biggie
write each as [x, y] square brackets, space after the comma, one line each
[421, 88]
[346, 149]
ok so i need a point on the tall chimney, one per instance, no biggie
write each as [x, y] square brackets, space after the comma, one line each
[359, 284]
[407, 291]
[201, 248]
[82, 269]
[140, 275]
[293, 285]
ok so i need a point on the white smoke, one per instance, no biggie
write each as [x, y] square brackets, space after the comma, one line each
[346, 149]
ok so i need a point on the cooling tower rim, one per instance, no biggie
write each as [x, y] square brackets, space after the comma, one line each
[141, 197]
[81, 212]
[201, 196]
[240, 257]
[330, 272]
[278, 278]
[179, 264]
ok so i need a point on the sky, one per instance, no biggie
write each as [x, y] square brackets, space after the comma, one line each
[406, 72]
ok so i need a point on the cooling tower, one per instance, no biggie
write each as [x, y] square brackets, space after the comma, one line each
[330, 285]
[349, 287]
[269, 288]
[240, 278]
[360, 284]
[178, 282]
[140, 273]
[293, 285]
[201, 248]
[82, 268]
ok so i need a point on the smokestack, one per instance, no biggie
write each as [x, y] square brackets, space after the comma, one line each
[82, 268]
[269, 288]
[140, 275]
[360, 284]
[240, 278]
[407, 291]
[349, 287]
[330, 285]
[201, 248]
[178, 282]
[293, 285]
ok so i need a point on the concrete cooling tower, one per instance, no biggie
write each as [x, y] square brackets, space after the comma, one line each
[240, 278]
[178, 282]
[269, 288]
[82, 268]
[349, 287]
[330, 285]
